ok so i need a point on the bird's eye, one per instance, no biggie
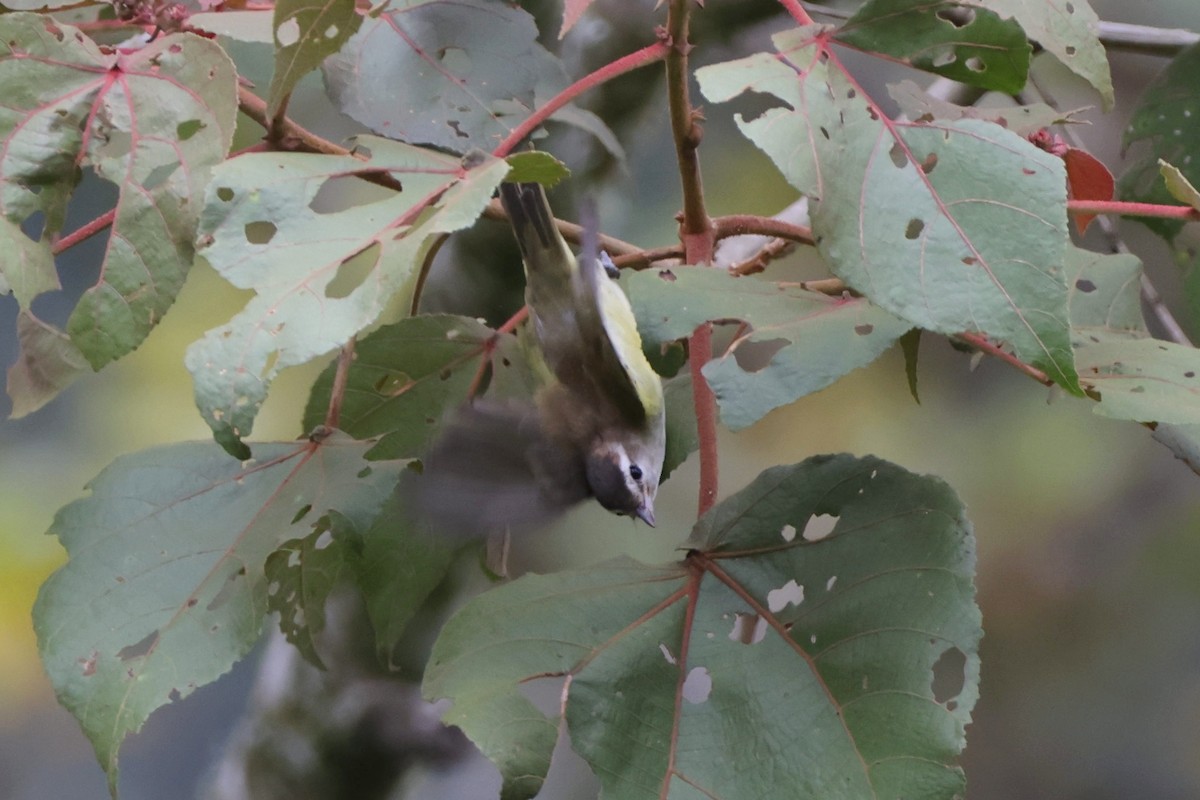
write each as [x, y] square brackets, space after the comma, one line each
[635, 472]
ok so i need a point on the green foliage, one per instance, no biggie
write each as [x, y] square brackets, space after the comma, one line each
[166, 586]
[820, 636]
[809, 622]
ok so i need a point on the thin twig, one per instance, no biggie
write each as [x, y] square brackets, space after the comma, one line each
[647, 55]
[84, 232]
[983, 343]
[1155, 210]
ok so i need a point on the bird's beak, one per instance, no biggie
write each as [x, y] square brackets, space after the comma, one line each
[646, 514]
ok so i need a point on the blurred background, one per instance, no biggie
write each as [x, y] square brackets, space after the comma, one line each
[1089, 531]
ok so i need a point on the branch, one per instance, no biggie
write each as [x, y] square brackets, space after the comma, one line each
[84, 232]
[1185, 213]
[798, 13]
[647, 55]
[981, 342]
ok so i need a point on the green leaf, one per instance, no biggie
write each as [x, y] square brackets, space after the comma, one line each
[683, 438]
[27, 268]
[305, 33]
[825, 632]
[536, 167]
[910, 343]
[323, 267]
[1165, 125]
[956, 227]
[153, 121]
[165, 587]
[302, 573]
[431, 73]
[797, 342]
[919, 106]
[1137, 377]
[397, 570]
[1178, 184]
[47, 364]
[407, 376]
[963, 41]
[1068, 29]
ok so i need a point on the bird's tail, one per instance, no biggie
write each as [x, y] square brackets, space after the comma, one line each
[542, 247]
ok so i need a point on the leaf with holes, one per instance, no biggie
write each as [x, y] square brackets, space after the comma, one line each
[1136, 377]
[165, 586]
[920, 106]
[323, 261]
[954, 226]
[796, 341]
[962, 41]
[457, 75]
[303, 572]
[407, 376]
[306, 32]
[1068, 29]
[825, 631]
[1164, 126]
[151, 121]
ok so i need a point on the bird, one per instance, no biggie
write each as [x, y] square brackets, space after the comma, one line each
[596, 428]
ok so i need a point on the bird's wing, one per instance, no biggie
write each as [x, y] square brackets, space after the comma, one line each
[585, 326]
[494, 469]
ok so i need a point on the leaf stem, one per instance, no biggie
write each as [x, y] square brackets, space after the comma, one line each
[84, 232]
[983, 343]
[797, 11]
[640, 58]
[1186, 213]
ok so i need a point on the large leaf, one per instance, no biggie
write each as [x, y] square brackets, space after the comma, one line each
[973, 45]
[824, 632]
[954, 226]
[306, 31]
[1165, 125]
[796, 342]
[458, 75]
[1137, 377]
[321, 272]
[152, 121]
[406, 377]
[165, 587]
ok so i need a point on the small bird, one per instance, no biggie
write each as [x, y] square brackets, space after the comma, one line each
[598, 426]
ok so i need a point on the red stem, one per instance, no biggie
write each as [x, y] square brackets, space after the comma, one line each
[647, 55]
[797, 11]
[982, 342]
[1132, 209]
[86, 232]
[699, 352]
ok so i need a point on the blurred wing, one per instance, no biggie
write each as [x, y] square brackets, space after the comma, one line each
[493, 469]
[584, 323]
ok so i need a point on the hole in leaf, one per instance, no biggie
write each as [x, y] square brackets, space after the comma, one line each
[914, 228]
[224, 194]
[788, 533]
[944, 58]
[748, 629]
[824, 132]
[188, 128]
[1070, 50]
[829, 584]
[957, 16]
[174, 696]
[929, 163]
[260, 232]
[301, 513]
[1084, 285]
[898, 156]
[755, 356]
[352, 272]
[819, 526]
[456, 60]
[970, 261]
[1070, 8]
[365, 472]
[140, 648]
[288, 33]
[975, 64]
[1189, 374]
[331, 32]
[791, 593]
[666, 651]
[863, 329]
[949, 675]
[697, 686]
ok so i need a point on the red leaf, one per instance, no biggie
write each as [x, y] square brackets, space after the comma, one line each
[1087, 179]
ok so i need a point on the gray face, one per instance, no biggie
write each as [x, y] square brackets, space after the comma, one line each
[621, 483]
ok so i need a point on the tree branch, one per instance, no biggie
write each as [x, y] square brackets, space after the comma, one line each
[1185, 213]
[84, 232]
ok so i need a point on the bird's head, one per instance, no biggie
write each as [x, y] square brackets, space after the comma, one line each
[623, 474]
